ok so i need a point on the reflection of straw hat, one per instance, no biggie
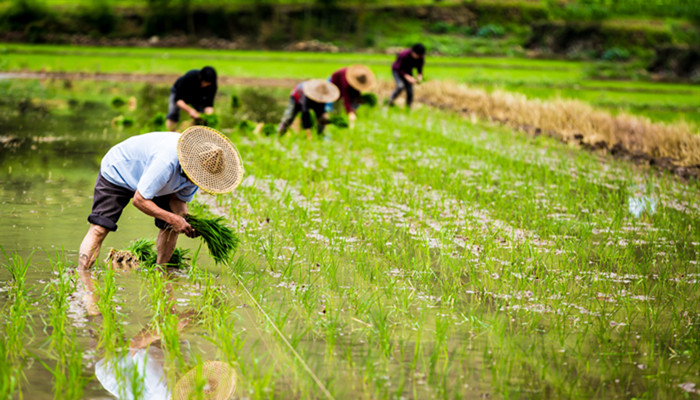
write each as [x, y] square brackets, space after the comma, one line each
[320, 91]
[218, 377]
[360, 78]
[209, 159]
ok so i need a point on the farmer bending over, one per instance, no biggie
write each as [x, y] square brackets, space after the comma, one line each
[352, 81]
[402, 69]
[306, 97]
[193, 93]
[160, 172]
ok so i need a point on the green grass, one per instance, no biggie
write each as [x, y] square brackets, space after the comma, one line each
[535, 78]
[419, 255]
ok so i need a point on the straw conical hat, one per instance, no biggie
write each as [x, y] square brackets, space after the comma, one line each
[360, 78]
[321, 91]
[209, 159]
[220, 382]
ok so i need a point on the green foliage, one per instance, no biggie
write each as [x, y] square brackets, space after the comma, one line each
[616, 54]
[220, 239]
[98, 17]
[491, 31]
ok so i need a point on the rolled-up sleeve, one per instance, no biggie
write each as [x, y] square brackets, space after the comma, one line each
[186, 194]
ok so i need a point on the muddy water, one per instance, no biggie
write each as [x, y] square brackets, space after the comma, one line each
[49, 160]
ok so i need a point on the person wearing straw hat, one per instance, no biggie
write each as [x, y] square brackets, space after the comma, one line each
[193, 93]
[352, 82]
[160, 172]
[309, 96]
[402, 69]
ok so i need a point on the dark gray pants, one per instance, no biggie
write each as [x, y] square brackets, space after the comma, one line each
[401, 85]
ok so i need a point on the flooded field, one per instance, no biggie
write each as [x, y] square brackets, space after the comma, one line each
[421, 255]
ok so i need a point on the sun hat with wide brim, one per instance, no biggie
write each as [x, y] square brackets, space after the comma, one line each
[218, 378]
[360, 78]
[320, 91]
[209, 159]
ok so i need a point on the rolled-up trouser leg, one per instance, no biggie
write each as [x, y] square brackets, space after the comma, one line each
[409, 94]
[400, 85]
[288, 117]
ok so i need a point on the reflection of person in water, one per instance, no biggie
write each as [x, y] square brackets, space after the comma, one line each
[139, 373]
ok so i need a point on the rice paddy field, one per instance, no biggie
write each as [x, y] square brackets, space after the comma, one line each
[420, 255]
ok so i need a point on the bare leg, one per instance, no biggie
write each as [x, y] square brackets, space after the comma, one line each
[171, 125]
[89, 250]
[165, 245]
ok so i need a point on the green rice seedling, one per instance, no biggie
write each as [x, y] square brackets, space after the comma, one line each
[220, 239]
[157, 122]
[179, 258]
[369, 99]
[118, 102]
[111, 338]
[144, 250]
[235, 102]
[211, 120]
[246, 126]
[269, 129]
[18, 315]
[341, 121]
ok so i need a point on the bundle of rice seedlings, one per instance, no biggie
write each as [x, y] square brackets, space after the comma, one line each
[179, 258]
[340, 121]
[144, 250]
[220, 239]
[211, 120]
[370, 99]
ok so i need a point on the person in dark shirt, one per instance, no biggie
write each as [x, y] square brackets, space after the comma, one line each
[194, 93]
[352, 82]
[402, 69]
[306, 97]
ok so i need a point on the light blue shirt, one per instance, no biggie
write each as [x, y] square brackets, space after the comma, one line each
[148, 164]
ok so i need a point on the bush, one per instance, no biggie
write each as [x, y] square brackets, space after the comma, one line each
[616, 54]
[491, 31]
[269, 129]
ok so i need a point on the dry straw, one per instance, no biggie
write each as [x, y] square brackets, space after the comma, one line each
[569, 120]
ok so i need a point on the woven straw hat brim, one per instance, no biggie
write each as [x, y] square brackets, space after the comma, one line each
[199, 139]
[220, 383]
[321, 91]
[361, 78]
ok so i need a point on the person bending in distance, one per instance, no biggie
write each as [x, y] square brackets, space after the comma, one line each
[402, 70]
[193, 93]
